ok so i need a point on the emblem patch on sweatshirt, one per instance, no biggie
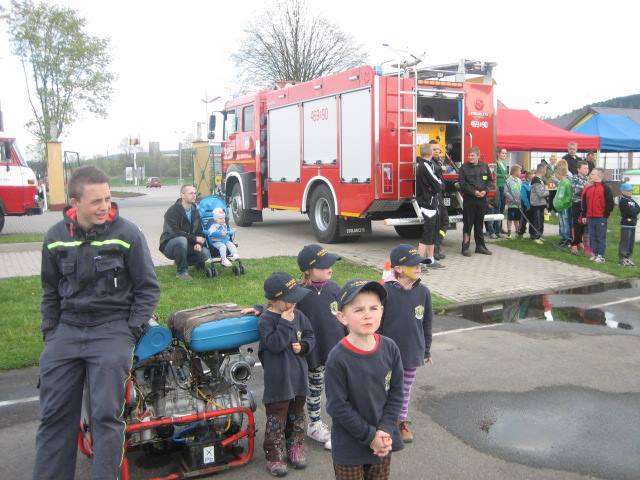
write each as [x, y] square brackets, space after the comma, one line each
[334, 307]
[299, 335]
[387, 381]
[420, 312]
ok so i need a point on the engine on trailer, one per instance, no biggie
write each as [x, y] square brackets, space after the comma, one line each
[178, 382]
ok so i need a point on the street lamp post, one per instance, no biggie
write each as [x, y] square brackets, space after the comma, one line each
[180, 162]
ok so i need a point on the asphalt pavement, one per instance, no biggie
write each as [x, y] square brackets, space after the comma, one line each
[529, 387]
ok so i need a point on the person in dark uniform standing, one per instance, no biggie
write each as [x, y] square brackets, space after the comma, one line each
[428, 194]
[99, 291]
[443, 219]
[474, 183]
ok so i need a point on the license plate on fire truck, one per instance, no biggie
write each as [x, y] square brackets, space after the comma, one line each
[447, 201]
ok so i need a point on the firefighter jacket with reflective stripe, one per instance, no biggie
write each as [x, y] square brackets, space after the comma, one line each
[90, 278]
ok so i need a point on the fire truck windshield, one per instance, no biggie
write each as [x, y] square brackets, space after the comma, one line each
[19, 155]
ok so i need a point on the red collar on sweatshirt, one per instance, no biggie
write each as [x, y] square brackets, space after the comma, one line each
[350, 346]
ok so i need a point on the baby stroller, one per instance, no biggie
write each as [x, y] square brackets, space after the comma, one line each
[205, 208]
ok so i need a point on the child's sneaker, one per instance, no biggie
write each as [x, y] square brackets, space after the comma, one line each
[225, 262]
[405, 433]
[319, 432]
[538, 241]
[593, 258]
[297, 457]
[599, 259]
[234, 257]
[509, 236]
[327, 445]
[277, 469]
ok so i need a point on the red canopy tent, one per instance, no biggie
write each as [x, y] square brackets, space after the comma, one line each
[520, 130]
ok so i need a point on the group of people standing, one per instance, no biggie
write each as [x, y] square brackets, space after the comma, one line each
[315, 336]
[571, 186]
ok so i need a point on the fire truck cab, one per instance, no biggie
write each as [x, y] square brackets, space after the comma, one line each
[342, 148]
[19, 192]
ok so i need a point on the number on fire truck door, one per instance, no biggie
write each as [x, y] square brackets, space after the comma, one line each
[320, 131]
[284, 144]
[355, 158]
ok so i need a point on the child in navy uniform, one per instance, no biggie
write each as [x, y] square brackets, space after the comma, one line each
[286, 338]
[363, 381]
[320, 307]
[407, 321]
[629, 210]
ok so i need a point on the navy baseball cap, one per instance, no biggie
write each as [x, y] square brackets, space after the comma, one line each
[314, 256]
[406, 255]
[354, 287]
[282, 286]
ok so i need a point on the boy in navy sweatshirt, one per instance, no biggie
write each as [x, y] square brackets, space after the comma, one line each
[407, 321]
[363, 381]
[286, 338]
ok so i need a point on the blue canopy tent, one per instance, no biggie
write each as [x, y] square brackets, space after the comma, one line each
[618, 133]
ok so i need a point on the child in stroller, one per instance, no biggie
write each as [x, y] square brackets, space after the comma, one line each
[219, 234]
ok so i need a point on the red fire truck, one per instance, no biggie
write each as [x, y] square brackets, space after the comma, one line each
[342, 148]
[19, 192]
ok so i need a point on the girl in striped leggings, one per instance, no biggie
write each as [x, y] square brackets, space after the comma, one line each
[407, 320]
[320, 306]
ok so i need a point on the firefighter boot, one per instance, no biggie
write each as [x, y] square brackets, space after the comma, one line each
[465, 250]
[294, 434]
[273, 446]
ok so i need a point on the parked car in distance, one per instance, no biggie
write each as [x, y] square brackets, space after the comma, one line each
[153, 182]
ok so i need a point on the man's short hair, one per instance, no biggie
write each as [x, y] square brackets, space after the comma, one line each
[541, 167]
[425, 150]
[475, 150]
[83, 176]
[580, 164]
[572, 144]
[514, 169]
[184, 187]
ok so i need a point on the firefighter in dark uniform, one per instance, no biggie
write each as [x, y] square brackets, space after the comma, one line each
[443, 219]
[99, 291]
[428, 194]
[475, 178]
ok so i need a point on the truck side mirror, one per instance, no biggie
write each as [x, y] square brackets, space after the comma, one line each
[212, 123]
[211, 135]
[7, 152]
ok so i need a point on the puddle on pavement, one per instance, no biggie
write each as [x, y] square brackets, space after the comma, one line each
[563, 427]
[541, 307]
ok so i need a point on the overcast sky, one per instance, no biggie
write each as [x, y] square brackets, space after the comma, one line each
[168, 56]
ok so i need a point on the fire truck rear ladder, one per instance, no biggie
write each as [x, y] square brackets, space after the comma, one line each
[402, 97]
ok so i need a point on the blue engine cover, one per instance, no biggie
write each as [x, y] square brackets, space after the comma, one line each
[156, 340]
[224, 334]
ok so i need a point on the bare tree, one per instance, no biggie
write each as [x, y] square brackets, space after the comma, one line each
[287, 43]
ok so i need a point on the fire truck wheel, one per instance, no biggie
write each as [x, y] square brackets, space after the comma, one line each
[240, 215]
[409, 231]
[1, 221]
[322, 213]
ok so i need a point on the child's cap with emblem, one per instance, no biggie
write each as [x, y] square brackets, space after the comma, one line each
[282, 286]
[353, 287]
